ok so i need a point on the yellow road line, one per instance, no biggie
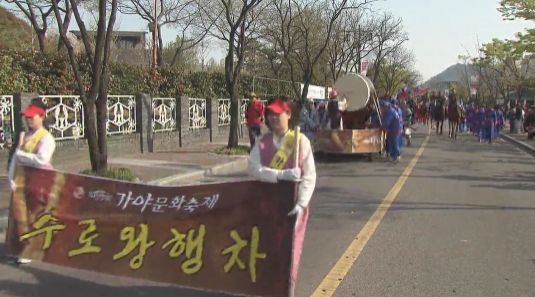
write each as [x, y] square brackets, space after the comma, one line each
[335, 277]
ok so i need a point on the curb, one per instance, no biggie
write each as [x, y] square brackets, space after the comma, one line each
[4, 213]
[519, 143]
[225, 168]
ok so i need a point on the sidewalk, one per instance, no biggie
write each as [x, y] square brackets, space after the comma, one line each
[183, 166]
[520, 140]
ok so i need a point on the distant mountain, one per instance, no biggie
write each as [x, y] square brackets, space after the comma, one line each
[454, 73]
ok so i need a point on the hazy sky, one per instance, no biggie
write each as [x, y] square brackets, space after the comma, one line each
[439, 30]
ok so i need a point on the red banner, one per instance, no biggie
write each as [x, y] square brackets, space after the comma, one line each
[232, 237]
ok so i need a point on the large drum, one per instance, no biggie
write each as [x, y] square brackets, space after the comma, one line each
[356, 88]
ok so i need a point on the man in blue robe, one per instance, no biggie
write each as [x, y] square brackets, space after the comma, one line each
[395, 105]
[393, 127]
[479, 121]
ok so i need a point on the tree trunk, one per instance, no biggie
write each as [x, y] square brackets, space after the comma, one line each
[307, 78]
[233, 137]
[102, 119]
[41, 40]
[159, 54]
[91, 131]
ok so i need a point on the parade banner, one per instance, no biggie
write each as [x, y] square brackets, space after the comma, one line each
[348, 141]
[231, 237]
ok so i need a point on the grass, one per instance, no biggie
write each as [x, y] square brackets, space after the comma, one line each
[240, 150]
[118, 173]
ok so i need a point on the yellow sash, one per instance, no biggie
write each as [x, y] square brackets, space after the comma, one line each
[28, 147]
[31, 144]
[285, 151]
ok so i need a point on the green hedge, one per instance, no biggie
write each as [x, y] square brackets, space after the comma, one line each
[50, 73]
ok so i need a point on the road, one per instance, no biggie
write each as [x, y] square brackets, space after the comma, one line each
[461, 224]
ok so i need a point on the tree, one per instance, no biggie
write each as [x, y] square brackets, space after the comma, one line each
[389, 35]
[396, 71]
[188, 60]
[234, 23]
[351, 43]
[38, 13]
[303, 30]
[97, 55]
[517, 9]
[515, 64]
[183, 15]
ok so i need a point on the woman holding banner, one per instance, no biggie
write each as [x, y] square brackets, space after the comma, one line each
[284, 154]
[35, 148]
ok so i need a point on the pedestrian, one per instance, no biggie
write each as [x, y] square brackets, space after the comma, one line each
[309, 119]
[255, 117]
[519, 116]
[481, 120]
[35, 147]
[272, 159]
[393, 127]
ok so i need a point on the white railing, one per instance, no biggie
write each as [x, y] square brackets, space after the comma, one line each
[197, 113]
[223, 112]
[7, 127]
[243, 109]
[163, 114]
[65, 115]
[121, 114]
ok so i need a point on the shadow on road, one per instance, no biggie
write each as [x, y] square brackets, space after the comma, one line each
[45, 282]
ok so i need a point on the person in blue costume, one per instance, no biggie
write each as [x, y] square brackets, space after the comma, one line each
[501, 120]
[393, 126]
[470, 114]
[374, 117]
[491, 128]
[479, 121]
[395, 105]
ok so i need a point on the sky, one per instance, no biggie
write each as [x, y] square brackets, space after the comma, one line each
[439, 30]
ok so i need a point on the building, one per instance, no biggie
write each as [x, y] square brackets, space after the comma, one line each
[130, 46]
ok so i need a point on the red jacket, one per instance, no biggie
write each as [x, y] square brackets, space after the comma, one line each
[254, 113]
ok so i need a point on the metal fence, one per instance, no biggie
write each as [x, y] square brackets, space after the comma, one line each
[66, 115]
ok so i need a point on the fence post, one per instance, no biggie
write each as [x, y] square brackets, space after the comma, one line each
[144, 116]
[212, 116]
[182, 109]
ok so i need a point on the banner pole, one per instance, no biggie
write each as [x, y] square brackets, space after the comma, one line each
[297, 151]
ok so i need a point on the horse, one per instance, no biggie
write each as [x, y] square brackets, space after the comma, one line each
[454, 117]
[439, 113]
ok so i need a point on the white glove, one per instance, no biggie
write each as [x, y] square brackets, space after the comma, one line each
[12, 185]
[290, 174]
[296, 211]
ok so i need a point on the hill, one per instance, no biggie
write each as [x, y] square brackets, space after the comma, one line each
[14, 32]
[454, 73]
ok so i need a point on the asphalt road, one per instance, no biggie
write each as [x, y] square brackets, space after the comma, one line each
[462, 225]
